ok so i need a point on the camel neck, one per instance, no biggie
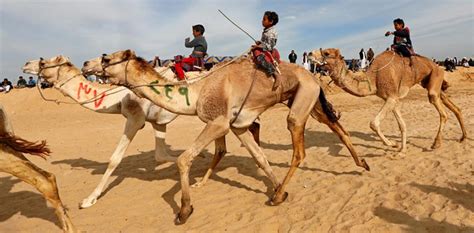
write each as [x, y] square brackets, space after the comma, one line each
[360, 85]
[89, 95]
[176, 98]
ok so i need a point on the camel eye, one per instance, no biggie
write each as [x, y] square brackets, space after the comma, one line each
[326, 54]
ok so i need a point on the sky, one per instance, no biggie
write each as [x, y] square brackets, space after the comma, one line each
[85, 29]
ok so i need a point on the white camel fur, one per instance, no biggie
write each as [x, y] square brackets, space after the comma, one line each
[104, 100]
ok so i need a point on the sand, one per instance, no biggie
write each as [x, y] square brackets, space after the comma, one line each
[426, 191]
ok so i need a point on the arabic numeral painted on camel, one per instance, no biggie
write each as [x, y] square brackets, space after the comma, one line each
[184, 91]
[153, 88]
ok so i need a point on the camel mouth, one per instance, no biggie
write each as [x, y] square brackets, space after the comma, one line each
[28, 71]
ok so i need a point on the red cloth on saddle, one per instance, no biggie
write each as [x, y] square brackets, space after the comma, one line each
[274, 55]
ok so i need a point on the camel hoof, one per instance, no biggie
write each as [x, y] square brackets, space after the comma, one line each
[365, 165]
[86, 203]
[436, 145]
[181, 218]
[277, 201]
[198, 184]
[463, 139]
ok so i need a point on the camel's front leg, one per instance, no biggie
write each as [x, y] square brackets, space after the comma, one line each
[161, 155]
[131, 128]
[375, 124]
[214, 129]
[220, 150]
[43, 181]
[402, 126]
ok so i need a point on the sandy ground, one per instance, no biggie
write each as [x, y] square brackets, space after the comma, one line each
[426, 191]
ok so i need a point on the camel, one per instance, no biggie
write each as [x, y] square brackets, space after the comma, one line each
[136, 110]
[390, 77]
[13, 161]
[223, 101]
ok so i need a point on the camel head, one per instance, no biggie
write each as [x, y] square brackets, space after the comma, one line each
[327, 59]
[113, 66]
[46, 68]
[93, 67]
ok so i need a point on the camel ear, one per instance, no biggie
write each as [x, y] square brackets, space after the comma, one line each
[129, 54]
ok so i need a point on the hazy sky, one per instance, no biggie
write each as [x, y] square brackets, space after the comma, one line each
[87, 28]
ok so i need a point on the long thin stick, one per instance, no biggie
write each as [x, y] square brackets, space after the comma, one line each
[237, 26]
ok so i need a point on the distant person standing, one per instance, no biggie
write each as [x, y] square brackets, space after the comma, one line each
[363, 58]
[305, 61]
[370, 55]
[292, 57]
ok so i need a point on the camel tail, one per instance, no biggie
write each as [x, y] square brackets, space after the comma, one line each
[327, 107]
[24, 146]
[444, 85]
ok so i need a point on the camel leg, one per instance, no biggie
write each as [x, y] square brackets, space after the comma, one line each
[43, 181]
[160, 146]
[457, 112]
[297, 117]
[255, 130]
[443, 117]
[249, 142]
[131, 128]
[375, 124]
[214, 129]
[343, 135]
[220, 151]
[402, 126]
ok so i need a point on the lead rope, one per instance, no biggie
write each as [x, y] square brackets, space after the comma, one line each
[246, 97]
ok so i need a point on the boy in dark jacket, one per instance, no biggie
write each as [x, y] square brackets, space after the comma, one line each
[401, 40]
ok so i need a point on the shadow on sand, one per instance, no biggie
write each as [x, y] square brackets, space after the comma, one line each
[28, 204]
[413, 225]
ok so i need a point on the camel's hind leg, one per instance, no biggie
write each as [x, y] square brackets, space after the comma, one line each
[220, 150]
[375, 124]
[246, 138]
[214, 129]
[297, 117]
[131, 128]
[443, 117]
[43, 181]
[402, 126]
[457, 112]
[337, 128]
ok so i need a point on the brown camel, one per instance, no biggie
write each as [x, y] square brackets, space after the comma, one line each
[390, 77]
[221, 100]
[14, 162]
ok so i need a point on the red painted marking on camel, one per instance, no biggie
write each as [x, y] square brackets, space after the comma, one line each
[86, 89]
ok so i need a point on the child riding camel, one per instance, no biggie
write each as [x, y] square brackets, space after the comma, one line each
[200, 48]
[401, 41]
[264, 51]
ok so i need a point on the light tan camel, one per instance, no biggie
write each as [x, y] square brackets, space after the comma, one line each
[221, 101]
[102, 99]
[390, 77]
[69, 80]
[13, 161]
